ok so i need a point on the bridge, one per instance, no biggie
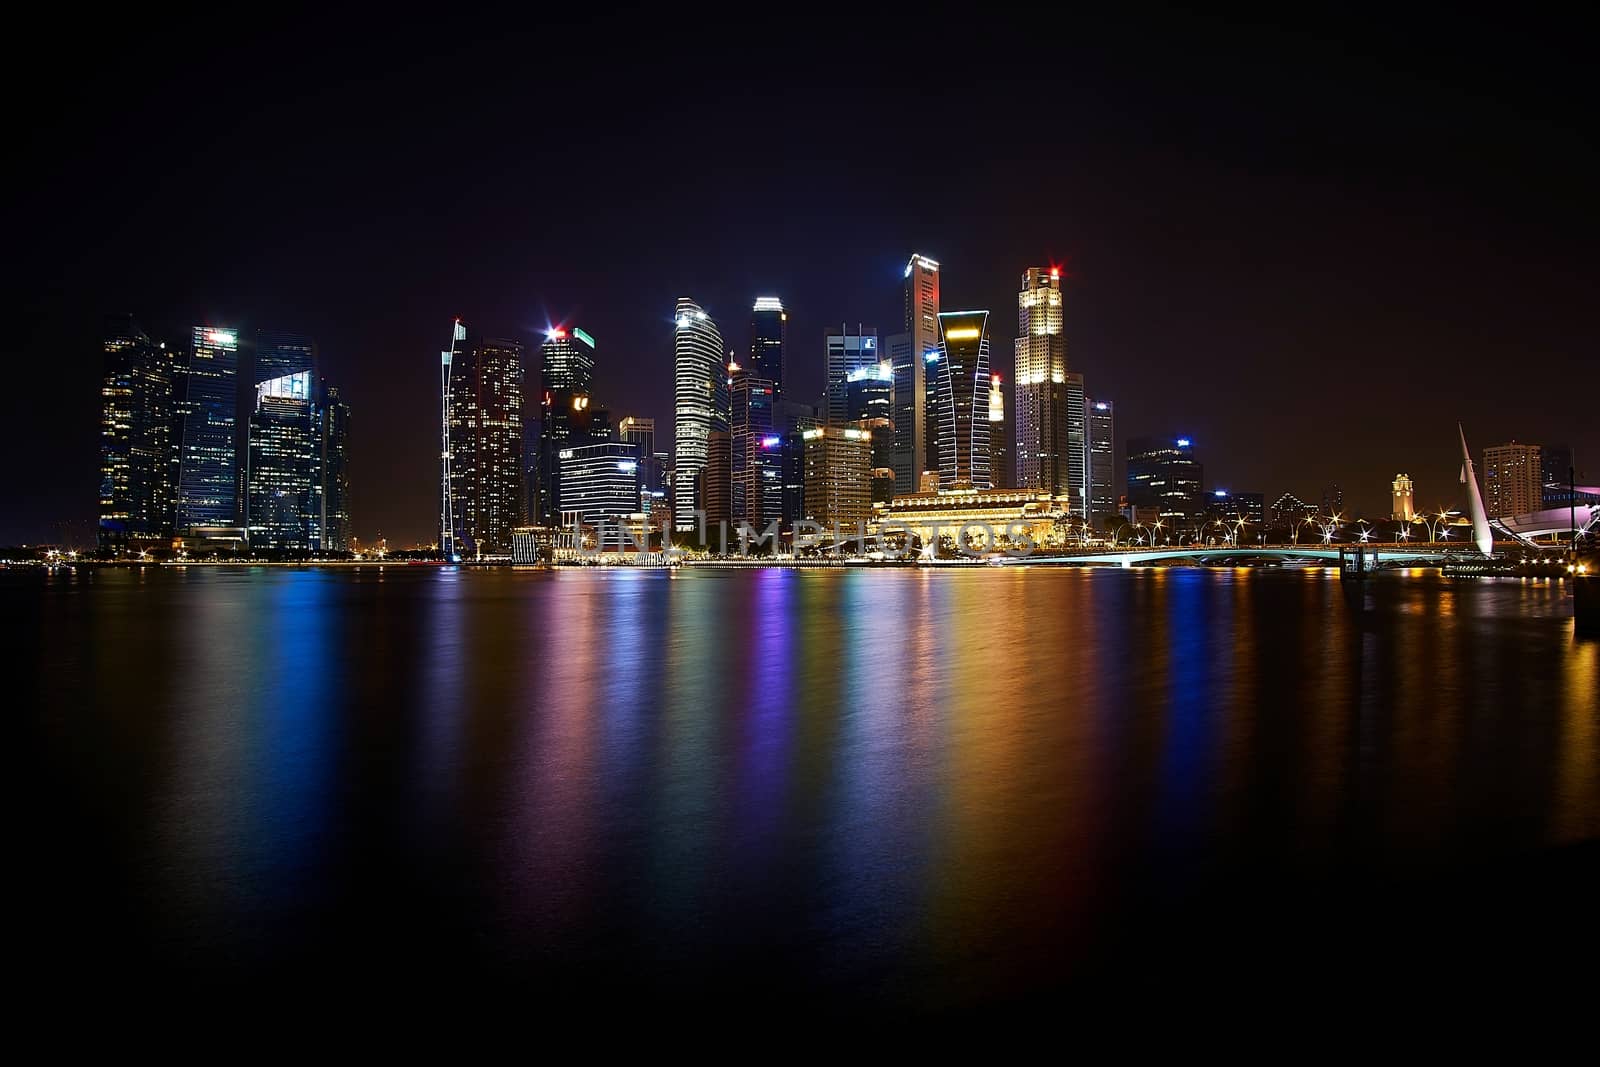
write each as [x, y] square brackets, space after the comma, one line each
[1381, 555]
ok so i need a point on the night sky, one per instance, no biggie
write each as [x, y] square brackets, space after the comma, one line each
[1310, 248]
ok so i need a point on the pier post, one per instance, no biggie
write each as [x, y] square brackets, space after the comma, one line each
[1585, 604]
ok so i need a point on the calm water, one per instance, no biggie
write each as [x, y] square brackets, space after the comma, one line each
[921, 789]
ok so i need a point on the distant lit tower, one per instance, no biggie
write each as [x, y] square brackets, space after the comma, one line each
[485, 426]
[1102, 458]
[208, 478]
[769, 324]
[700, 405]
[1403, 510]
[999, 436]
[138, 444]
[1043, 453]
[567, 360]
[909, 352]
[847, 353]
[962, 398]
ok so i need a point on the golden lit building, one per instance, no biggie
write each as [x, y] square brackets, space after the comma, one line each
[1404, 503]
[838, 481]
[943, 514]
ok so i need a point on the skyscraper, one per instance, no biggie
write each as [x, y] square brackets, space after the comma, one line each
[847, 353]
[486, 443]
[838, 482]
[600, 481]
[869, 393]
[283, 504]
[1163, 474]
[1404, 509]
[768, 327]
[1043, 454]
[756, 467]
[1102, 457]
[962, 398]
[138, 446]
[915, 447]
[280, 354]
[641, 433]
[567, 360]
[1513, 476]
[700, 405]
[1078, 442]
[1000, 470]
[208, 487]
[333, 417]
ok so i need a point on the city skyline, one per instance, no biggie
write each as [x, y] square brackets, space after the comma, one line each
[1205, 294]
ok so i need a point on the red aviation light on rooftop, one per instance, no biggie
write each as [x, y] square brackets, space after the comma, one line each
[995, 378]
[555, 333]
[1055, 272]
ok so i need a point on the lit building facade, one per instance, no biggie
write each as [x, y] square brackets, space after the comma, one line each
[641, 433]
[1000, 467]
[280, 354]
[915, 444]
[1078, 443]
[700, 396]
[757, 476]
[1556, 467]
[1230, 507]
[963, 387]
[847, 354]
[600, 482]
[1404, 509]
[838, 466]
[1042, 448]
[934, 516]
[139, 436]
[567, 361]
[208, 477]
[333, 416]
[486, 444]
[1163, 474]
[769, 326]
[1289, 509]
[284, 477]
[1102, 430]
[1513, 479]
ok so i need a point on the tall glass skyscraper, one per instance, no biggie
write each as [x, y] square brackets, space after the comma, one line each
[565, 410]
[486, 469]
[701, 405]
[284, 479]
[280, 354]
[768, 327]
[847, 353]
[335, 442]
[915, 439]
[138, 442]
[208, 486]
[963, 400]
[1078, 442]
[757, 470]
[1163, 473]
[1042, 406]
[1102, 457]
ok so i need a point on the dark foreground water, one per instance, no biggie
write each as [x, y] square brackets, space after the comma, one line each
[880, 789]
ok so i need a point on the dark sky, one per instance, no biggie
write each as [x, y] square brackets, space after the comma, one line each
[1311, 248]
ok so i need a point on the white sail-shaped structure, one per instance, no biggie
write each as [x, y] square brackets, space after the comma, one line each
[1481, 534]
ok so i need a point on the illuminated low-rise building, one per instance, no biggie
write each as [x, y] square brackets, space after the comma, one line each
[932, 516]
